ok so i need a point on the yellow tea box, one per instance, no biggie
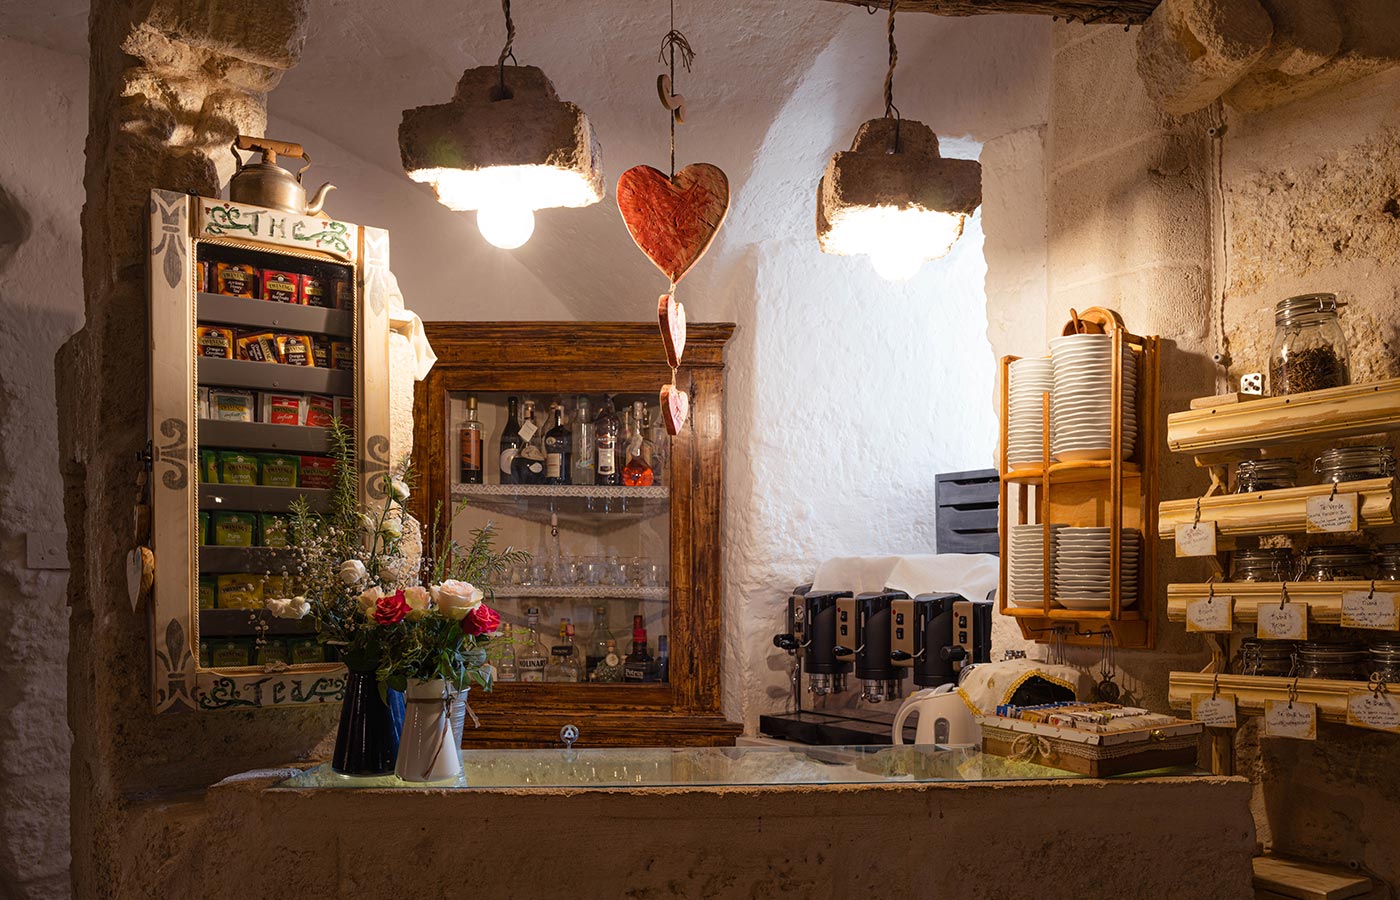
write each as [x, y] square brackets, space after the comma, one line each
[237, 467]
[242, 591]
[278, 470]
[234, 529]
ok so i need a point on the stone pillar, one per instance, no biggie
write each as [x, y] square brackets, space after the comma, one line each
[172, 83]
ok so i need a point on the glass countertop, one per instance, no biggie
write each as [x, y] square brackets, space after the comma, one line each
[715, 767]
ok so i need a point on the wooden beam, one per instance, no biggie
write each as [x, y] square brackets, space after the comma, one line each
[1120, 12]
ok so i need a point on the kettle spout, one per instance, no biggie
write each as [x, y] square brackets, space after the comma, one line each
[318, 200]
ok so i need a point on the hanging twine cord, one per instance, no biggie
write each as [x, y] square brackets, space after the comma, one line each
[506, 52]
[672, 42]
[892, 111]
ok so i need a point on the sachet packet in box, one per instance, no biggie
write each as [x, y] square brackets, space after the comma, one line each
[230, 652]
[316, 291]
[209, 466]
[345, 411]
[235, 529]
[320, 351]
[317, 472]
[277, 586]
[214, 342]
[282, 287]
[258, 346]
[282, 409]
[318, 411]
[272, 651]
[295, 349]
[278, 470]
[236, 280]
[229, 405]
[342, 355]
[208, 592]
[241, 591]
[276, 530]
[306, 650]
[237, 467]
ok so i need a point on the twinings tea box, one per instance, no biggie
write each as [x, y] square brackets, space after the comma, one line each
[320, 352]
[282, 409]
[342, 355]
[235, 280]
[227, 405]
[305, 650]
[276, 529]
[345, 411]
[276, 586]
[319, 411]
[344, 291]
[315, 291]
[317, 472]
[235, 529]
[278, 470]
[202, 271]
[209, 466]
[204, 528]
[229, 652]
[208, 592]
[242, 591]
[295, 349]
[237, 467]
[258, 347]
[214, 342]
[283, 287]
[271, 651]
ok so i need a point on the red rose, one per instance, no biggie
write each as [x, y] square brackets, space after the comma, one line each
[391, 610]
[482, 620]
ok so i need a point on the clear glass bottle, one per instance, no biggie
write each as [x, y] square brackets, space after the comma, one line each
[510, 442]
[637, 472]
[599, 639]
[606, 428]
[531, 660]
[1309, 351]
[660, 448]
[609, 668]
[585, 460]
[639, 663]
[469, 448]
[506, 669]
[663, 658]
[563, 667]
[558, 451]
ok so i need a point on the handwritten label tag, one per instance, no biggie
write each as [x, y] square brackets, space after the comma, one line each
[1369, 709]
[1195, 539]
[527, 431]
[1211, 614]
[1214, 712]
[1362, 609]
[1297, 720]
[1288, 622]
[1328, 514]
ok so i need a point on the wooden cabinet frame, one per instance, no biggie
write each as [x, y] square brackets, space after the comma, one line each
[598, 357]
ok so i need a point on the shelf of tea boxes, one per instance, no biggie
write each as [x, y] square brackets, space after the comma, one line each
[1281, 511]
[261, 436]
[1323, 598]
[214, 560]
[1251, 691]
[1253, 425]
[257, 498]
[581, 592]
[249, 622]
[266, 376]
[269, 314]
[585, 506]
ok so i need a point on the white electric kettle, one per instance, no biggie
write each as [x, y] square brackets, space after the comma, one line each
[943, 718]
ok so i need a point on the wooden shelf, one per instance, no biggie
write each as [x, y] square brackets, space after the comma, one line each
[582, 592]
[256, 498]
[261, 376]
[1275, 877]
[1277, 512]
[241, 623]
[1063, 614]
[1324, 598]
[586, 506]
[1297, 418]
[260, 436]
[236, 560]
[1252, 690]
[1072, 472]
[270, 314]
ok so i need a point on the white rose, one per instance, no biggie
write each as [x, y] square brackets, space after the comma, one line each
[417, 599]
[352, 571]
[367, 521]
[391, 529]
[288, 608]
[369, 598]
[456, 598]
[398, 489]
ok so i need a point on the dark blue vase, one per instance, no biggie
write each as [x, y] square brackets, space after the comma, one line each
[367, 741]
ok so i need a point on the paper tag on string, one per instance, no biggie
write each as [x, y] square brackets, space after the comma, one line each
[1297, 720]
[1364, 609]
[1195, 539]
[1333, 513]
[1213, 613]
[1214, 712]
[1372, 709]
[527, 431]
[1288, 622]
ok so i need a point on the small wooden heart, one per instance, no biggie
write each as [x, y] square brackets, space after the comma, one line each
[673, 220]
[670, 314]
[675, 408]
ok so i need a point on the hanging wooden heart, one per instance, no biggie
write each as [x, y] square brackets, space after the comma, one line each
[670, 315]
[675, 408]
[673, 220]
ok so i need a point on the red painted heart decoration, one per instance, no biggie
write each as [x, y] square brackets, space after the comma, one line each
[670, 315]
[675, 408]
[673, 220]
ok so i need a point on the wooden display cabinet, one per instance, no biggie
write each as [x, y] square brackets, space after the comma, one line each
[634, 550]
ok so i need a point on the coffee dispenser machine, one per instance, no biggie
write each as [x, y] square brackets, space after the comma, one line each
[886, 638]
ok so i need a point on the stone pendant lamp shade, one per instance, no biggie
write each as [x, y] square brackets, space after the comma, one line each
[505, 145]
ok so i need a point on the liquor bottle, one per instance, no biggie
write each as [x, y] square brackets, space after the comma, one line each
[609, 668]
[660, 448]
[663, 658]
[506, 669]
[601, 637]
[634, 668]
[558, 451]
[471, 445]
[528, 465]
[510, 442]
[605, 429]
[585, 460]
[530, 661]
[563, 657]
[636, 473]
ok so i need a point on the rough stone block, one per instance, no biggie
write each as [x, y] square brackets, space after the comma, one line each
[267, 32]
[1191, 51]
[1307, 33]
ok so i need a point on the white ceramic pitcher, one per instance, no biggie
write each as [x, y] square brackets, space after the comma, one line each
[944, 718]
[428, 747]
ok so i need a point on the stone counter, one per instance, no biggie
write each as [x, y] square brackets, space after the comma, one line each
[1187, 837]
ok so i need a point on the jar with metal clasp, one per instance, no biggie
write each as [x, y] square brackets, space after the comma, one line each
[1388, 562]
[1267, 564]
[1342, 464]
[1335, 660]
[1345, 562]
[1383, 659]
[1265, 475]
[1274, 658]
[1309, 352]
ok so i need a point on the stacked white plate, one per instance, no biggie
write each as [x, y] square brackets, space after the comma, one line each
[1083, 574]
[1026, 563]
[1029, 380]
[1081, 402]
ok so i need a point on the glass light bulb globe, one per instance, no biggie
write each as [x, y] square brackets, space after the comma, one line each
[896, 266]
[504, 226]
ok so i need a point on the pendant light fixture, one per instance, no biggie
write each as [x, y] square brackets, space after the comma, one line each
[891, 196]
[505, 146]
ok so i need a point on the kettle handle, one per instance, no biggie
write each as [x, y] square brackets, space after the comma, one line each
[910, 705]
[271, 149]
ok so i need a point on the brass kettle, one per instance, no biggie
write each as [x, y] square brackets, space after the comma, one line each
[268, 184]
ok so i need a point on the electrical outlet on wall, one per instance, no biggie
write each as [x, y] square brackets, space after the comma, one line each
[46, 550]
[1253, 383]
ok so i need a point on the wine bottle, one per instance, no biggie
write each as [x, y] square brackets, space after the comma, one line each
[558, 451]
[639, 663]
[510, 442]
[528, 465]
[470, 446]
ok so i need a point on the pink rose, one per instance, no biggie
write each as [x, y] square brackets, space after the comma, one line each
[481, 620]
[391, 610]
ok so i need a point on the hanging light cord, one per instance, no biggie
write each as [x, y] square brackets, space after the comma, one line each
[672, 42]
[892, 111]
[506, 52]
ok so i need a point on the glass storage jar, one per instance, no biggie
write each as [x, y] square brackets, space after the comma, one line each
[1388, 562]
[1383, 659]
[1309, 351]
[1266, 657]
[1355, 463]
[1276, 564]
[1336, 660]
[1344, 562]
[1265, 475]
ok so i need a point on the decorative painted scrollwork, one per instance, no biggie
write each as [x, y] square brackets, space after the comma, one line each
[377, 269]
[228, 692]
[227, 219]
[376, 465]
[332, 234]
[176, 453]
[170, 244]
[175, 662]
